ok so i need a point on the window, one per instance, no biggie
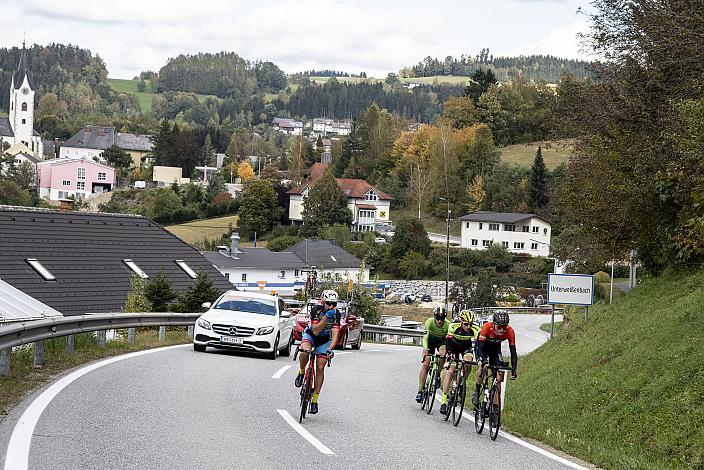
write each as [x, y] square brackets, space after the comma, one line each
[81, 173]
[526, 229]
[282, 274]
[24, 121]
[486, 242]
[480, 225]
[135, 269]
[41, 270]
[63, 194]
[371, 196]
[475, 242]
[533, 246]
[24, 108]
[467, 226]
[80, 185]
[66, 182]
[186, 268]
[244, 277]
[509, 228]
[227, 276]
[504, 244]
[295, 273]
[366, 214]
[333, 258]
[545, 231]
[493, 226]
[102, 176]
[518, 245]
[535, 229]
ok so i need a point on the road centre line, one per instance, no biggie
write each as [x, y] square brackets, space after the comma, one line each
[303, 432]
[280, 372]
[17, 457]
[525, 444]
[372, 350]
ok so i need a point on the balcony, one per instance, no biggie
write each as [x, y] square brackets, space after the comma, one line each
[365, 221]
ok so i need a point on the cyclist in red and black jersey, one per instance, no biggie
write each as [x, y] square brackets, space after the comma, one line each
[489, 347]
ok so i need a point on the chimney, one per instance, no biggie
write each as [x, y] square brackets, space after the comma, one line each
[235, 241]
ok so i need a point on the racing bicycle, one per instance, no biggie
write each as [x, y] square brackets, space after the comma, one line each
[490, 401]
[432, 381]
[308, 384]
[458, 390]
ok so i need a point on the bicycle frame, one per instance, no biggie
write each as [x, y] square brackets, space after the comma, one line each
[308, 384]
[430, 379]
[458, 384]
[491, 407]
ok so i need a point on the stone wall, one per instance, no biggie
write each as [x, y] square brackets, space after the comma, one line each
[434, 288]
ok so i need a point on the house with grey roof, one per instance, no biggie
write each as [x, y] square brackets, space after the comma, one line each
[79, 262]
[329, 258]
[518, 233]
[91, 141]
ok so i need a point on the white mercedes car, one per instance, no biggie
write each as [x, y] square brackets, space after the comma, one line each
[246, 321]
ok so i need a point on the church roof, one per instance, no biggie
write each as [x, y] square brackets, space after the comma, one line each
[92, 137]
[5, 128]
[22, 71]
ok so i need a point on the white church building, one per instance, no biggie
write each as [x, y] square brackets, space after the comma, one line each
[18, 127]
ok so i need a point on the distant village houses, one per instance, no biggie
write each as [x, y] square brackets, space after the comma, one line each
[91, 141]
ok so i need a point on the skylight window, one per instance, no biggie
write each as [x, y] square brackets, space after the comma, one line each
[41, 270]
[186, 268]
[333, 258]
[135, 269]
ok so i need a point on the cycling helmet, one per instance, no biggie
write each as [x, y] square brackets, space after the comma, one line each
[329, 295]
[467, 316]
[440, 313]
[501, 318]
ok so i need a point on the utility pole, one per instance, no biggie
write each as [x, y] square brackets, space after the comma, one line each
[447, 264]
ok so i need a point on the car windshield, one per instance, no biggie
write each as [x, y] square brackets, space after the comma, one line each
[247, 304]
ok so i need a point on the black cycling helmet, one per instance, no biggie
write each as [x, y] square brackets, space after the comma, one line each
[440, 313]
[501, 318]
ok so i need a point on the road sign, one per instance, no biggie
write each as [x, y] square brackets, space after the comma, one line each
[572, 289]
[261, 284]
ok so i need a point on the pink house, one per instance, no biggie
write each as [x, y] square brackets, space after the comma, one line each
[79, 177]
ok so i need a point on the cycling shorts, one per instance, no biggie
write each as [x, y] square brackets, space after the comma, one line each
[459, 348]
[434, 343]
[320, 344]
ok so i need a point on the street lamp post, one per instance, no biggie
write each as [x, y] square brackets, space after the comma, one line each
[447, 262]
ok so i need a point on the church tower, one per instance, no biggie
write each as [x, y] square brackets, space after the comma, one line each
[21, 113]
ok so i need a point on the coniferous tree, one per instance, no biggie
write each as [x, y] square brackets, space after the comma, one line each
[324, 206]
[203, 291]
[159, 293]
[538, 184]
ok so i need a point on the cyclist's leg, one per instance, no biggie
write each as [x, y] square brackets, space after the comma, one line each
[442, 350]
[468, 357]
[320, 369]
[307, 341]
[424, 369]
[446, 381]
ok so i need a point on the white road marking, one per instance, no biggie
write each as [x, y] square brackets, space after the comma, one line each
[280, 372]
[525, 444]
[372, 350]
[343, 352]
[306, 435]
[17, 457]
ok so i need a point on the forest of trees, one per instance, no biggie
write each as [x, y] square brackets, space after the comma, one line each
[534, 67]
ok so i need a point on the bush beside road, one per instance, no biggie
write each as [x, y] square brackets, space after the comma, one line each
[625, 388]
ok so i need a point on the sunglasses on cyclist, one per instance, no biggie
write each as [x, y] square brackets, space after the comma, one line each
[499, 327]
[466, 324]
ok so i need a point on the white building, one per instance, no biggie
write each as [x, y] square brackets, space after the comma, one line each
[91, 141]
[518, 233]
[330, 126]
[19, 125]
[331, 260]
[288, 126]
[370, 206]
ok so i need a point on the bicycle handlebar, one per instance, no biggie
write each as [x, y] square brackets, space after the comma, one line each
[314, 354]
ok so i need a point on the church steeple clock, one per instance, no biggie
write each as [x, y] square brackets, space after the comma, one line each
[21, 113]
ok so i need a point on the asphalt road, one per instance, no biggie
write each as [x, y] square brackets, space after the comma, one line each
[442, 238]
[179, 409]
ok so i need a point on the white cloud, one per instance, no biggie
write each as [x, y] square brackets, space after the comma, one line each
[560, 41]
[351, 35]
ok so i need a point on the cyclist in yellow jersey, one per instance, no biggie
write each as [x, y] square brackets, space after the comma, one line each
[435, 333]
[459, 345]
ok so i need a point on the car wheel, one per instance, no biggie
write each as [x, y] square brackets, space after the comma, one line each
[287, 352]
[358, 344]
[343, 343]
[272, 354]
[199, 347]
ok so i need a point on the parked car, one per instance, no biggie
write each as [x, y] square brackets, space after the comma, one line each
[426, 298]
[245, 321]
[294, 306]
[380, 240]
[350, 329]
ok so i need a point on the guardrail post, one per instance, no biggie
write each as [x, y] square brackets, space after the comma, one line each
[5, 361]
[190, 331]
[162, 333]
[70, 345]
[38, 354]
[132, 335]
[102, 339]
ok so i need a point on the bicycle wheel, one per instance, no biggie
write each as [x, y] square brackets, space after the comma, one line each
[495, 413]
[458, 405]
[426, 390]
[306, 395]
[480, 413]
[431, 388]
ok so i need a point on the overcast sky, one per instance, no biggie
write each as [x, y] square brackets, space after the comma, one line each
[377, 36]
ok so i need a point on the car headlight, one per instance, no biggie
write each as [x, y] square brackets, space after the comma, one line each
[265, 330]
[203, 323]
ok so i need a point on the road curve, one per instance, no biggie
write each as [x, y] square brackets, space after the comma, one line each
[176, 408]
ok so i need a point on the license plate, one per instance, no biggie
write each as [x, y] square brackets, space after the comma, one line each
[230, 339]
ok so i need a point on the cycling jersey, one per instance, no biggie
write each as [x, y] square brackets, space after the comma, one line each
[489, 344]
[332, 323]
[458, 340]
[434, 334]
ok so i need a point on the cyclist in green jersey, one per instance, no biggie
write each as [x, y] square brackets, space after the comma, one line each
[435, 333]
[459, 346]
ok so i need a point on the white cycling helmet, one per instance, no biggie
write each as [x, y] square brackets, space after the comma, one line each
[329, 296]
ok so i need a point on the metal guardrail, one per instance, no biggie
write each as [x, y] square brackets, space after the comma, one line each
[390, 334]
[19, 333]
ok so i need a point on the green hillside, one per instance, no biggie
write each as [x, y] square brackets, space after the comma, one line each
[130, 86]
[554, 153]
[427, 80]
[624, 389]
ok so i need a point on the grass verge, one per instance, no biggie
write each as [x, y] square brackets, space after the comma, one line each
[554, 153]
[625, 388]
[546, 326]
[430, 222]
[24, 378]
[196, 231]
